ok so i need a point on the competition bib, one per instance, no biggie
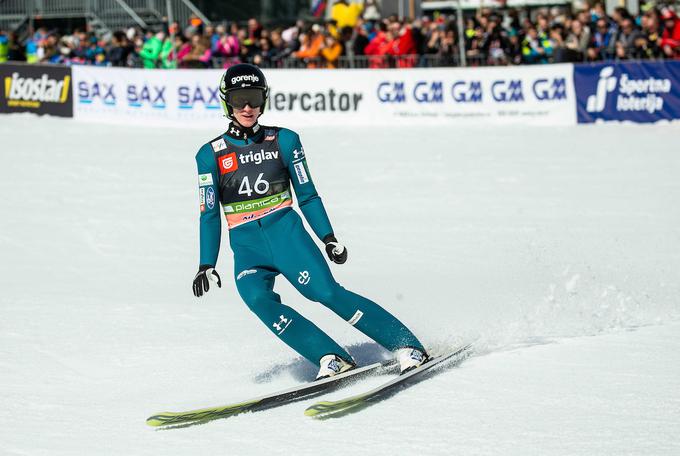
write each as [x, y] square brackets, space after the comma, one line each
[253, 179]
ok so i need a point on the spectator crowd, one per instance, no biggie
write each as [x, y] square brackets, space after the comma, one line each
[358, 36]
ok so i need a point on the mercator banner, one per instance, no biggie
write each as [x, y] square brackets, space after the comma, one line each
[540, 95]
[40, 89]
[637, 91]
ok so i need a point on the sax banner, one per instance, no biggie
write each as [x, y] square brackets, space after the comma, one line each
[636, 92]
[40, 89]
[147, 97]
[541, 95]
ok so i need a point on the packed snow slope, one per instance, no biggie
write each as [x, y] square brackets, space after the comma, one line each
[558, 248]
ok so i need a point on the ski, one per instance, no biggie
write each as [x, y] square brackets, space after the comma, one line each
[304, 391]
[326, 409]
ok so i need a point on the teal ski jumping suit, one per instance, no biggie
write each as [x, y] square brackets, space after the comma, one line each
[248, 173]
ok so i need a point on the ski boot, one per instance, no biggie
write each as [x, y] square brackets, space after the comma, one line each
[331, 365]
[410, 358]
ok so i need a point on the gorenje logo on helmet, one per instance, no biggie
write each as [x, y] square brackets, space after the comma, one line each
[245, 77]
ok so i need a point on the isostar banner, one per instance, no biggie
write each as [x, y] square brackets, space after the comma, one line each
[637, 92]
[43, 89]
[536, 95]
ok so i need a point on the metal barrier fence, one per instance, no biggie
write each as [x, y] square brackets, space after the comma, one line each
[180, 10]
[359, 62]
[102, 15]
[389, 61]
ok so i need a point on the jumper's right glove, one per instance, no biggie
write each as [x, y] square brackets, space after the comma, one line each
[335, 251]
[206, 274]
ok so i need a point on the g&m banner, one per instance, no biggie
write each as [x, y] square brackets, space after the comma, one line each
[533, 95]
[638, 92]
[540, 95]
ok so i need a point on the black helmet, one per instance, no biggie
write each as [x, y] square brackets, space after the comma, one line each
[243, 76]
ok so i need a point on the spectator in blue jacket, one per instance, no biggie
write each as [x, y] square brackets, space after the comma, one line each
[603, 44]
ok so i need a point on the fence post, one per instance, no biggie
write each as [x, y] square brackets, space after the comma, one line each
[461, 33]
[32, 11]
[171, 32]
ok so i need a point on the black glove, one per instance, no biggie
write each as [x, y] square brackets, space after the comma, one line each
[206, 274]
[336, 251]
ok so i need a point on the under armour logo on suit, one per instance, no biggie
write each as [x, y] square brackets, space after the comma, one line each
[282, 324]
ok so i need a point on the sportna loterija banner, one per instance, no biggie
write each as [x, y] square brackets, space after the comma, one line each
[635, 91]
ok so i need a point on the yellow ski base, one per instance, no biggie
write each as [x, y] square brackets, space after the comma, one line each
[197, 416]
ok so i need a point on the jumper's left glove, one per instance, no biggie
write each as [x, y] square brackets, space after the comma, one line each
[336, 251]
[206, 274]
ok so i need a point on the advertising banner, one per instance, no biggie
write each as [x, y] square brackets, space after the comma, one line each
[637, 92]
[38, 89]
[512, 95]
[530, 95]
[147, 97]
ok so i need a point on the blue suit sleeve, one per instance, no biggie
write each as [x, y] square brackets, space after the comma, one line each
[208, 194]
[308, 199]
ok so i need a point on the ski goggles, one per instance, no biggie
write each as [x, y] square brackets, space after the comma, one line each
[242, 97]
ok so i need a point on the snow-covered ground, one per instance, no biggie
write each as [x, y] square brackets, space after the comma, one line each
[558, 248]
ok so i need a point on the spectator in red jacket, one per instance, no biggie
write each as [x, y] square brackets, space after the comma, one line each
[403, 47]
[670, 39]
[378, 47]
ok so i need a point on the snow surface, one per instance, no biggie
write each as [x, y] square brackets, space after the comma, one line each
[558, 248]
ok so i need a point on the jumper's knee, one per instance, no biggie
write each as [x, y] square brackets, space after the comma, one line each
[330, 296]
[258, 300]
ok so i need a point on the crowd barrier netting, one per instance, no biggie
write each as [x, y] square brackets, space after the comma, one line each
[561, 94]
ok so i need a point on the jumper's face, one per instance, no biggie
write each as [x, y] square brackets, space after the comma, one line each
[247, 116]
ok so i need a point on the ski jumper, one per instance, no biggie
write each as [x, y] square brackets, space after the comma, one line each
[248, 173]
